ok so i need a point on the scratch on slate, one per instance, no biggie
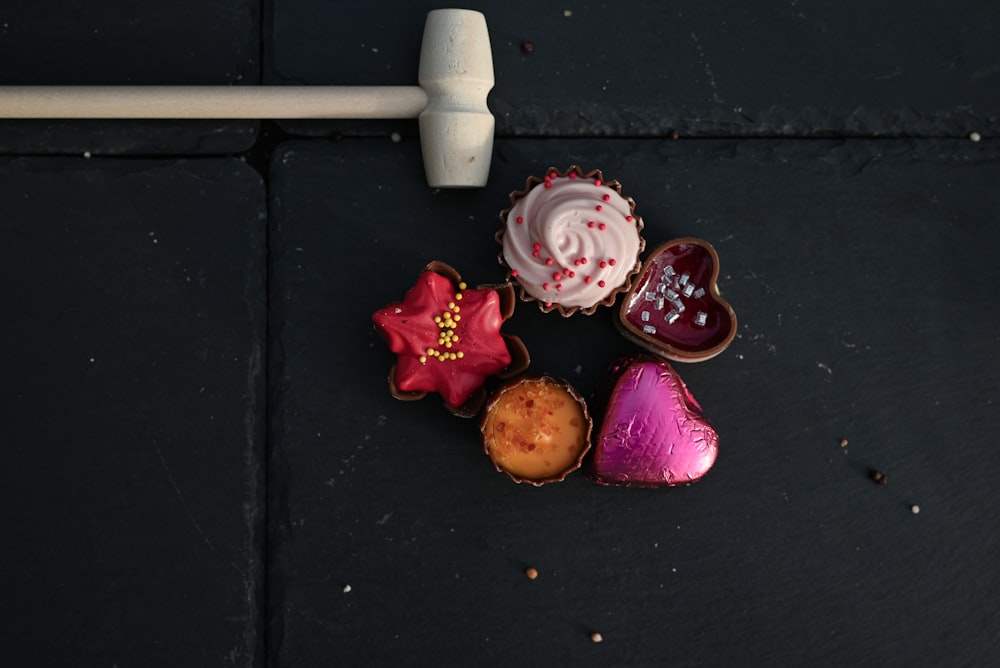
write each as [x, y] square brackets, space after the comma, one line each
[180, 495]
[824, 367]
[708, 69]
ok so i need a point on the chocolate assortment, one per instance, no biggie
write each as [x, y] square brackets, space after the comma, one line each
[559, 242]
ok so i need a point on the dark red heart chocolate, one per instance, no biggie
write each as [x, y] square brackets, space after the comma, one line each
[652, 432]
[675, 309]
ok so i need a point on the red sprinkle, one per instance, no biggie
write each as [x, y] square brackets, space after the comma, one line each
[553, 175]
[571, 274]
[556, 276]
[597, 182]
[603, 264]
[549, 261]
[602, 226]
[612, 261]
[583, 260]
[600, 283]
[548, 184]
[535, 253]
[572, 175]
[513, 272]
[607, 198]
[545, 286]
[591, 224]
[558, 286]
[520, 220]
[586, 279]
[536, 246]
[628, 218]
[548, 304]
[599, 207]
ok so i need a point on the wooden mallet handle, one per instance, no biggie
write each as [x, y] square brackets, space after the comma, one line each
[455, 76]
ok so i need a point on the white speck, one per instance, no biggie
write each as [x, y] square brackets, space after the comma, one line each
[347, 589]
[567, 12]
[739, 357]
[86, 154]
[385, 518]
[975, 136]
[396, 137]
[673, 570]
[578, 369]
[299, 249]
[824, 367]
[915, 509]
[374, 50]
[91, 360]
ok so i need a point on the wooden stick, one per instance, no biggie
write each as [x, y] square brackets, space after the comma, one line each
[218, 102]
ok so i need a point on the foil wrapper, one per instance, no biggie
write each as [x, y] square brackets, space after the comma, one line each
[652, 432]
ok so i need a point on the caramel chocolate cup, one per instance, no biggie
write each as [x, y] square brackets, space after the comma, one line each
[581, 272]
[674, 308]
[536, 429]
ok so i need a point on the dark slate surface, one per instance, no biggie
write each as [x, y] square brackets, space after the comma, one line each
[131, 412]
[53, 42]
[637, 68]
[864, 276]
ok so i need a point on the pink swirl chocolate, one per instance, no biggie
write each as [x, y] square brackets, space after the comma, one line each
[571, 241]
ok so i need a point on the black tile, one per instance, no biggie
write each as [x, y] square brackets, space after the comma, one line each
[132, 411]
[864, 278]
[644, 68]
[116, 43]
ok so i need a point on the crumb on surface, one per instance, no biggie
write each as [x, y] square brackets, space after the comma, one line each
[596, 637]
[527, 47]
[878, 477]
[915, 509]
[975, 136]
[843, 442]
[531, 573]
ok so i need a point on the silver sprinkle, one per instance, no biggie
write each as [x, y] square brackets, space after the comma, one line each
[699, 293]
[650, 296]
[685, 277]
[645, 316]
[701, 318]
[649, 329]
[671, 317]
[688, 289]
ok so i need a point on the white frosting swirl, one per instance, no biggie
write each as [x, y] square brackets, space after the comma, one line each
[572, 242]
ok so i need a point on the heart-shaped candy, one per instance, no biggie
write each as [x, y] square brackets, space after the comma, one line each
[652, 432]
[675, 309]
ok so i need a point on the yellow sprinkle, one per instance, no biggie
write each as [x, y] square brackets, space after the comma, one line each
[430, 351]
[457, 318]
[462, 285]
[457, 309]
[437, 318]
[458, 296]
[442, 358]
[452, 356]
[454, 337]
[423, 359]
[447, 344]
[460, 354]
[451, 304]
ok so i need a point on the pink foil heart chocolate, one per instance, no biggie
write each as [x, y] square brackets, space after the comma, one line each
[675, 309]
[652, 432]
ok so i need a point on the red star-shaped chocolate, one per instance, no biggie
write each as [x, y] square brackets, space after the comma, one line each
[447, 337]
